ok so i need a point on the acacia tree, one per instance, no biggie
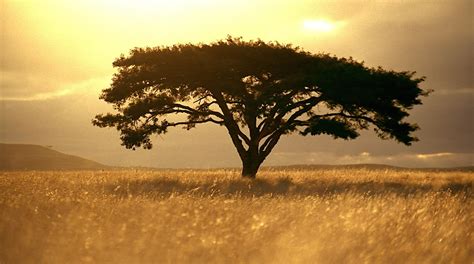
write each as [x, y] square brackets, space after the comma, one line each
[259, 91]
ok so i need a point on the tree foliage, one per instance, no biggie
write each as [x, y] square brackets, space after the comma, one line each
[259, 91]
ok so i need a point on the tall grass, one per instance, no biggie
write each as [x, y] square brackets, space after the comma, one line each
[198, 216]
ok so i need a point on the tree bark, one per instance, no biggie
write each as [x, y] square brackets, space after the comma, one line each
[251, 161]
[250, 168]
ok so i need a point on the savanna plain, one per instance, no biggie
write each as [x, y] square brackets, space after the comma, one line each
[214, 216]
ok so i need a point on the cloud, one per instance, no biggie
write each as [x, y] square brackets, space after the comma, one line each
[434, 155]
[48, 50]
[460, 91]
[443, 159]
[30, 87]
[433, 38]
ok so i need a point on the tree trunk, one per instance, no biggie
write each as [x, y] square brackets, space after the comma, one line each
[250, 165]
[250, 169]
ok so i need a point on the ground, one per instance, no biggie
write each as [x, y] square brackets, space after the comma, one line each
[214, 216]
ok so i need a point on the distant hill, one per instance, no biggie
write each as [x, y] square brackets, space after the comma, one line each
[35, 157]
[361, 166]
[326, 167]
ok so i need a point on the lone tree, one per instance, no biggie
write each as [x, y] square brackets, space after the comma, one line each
[259, 91]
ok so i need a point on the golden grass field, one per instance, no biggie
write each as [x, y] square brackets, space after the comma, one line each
[214, 216]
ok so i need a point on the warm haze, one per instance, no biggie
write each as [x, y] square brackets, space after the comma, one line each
[56, 57]
[70, 193]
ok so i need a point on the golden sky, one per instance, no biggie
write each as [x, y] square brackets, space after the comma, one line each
[40, 38]
[56, 50]
[53, 47]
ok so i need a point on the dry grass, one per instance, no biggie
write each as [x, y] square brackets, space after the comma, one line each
[325, 216]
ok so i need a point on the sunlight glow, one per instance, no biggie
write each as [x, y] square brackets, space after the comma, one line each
[434, 155]
[320, 25]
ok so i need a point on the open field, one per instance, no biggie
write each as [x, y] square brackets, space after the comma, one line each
[200, 216]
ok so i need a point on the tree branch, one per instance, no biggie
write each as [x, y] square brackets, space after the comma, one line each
[341, 114]
[196, 122]
[234, 131]
[195, 111]
[307, 105]
[272, 140]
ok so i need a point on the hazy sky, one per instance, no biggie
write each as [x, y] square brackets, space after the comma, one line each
[56, 56]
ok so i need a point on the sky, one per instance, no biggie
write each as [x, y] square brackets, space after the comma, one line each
[56, 56]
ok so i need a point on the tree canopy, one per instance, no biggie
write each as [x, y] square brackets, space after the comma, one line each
[259, 91]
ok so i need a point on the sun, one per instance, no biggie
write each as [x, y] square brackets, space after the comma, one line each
[320, 25]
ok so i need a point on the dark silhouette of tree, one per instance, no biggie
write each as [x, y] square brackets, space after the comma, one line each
[259, 91]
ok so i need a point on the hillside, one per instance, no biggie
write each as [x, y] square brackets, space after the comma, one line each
[367, 166]
[332, 167]
[35, 157]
